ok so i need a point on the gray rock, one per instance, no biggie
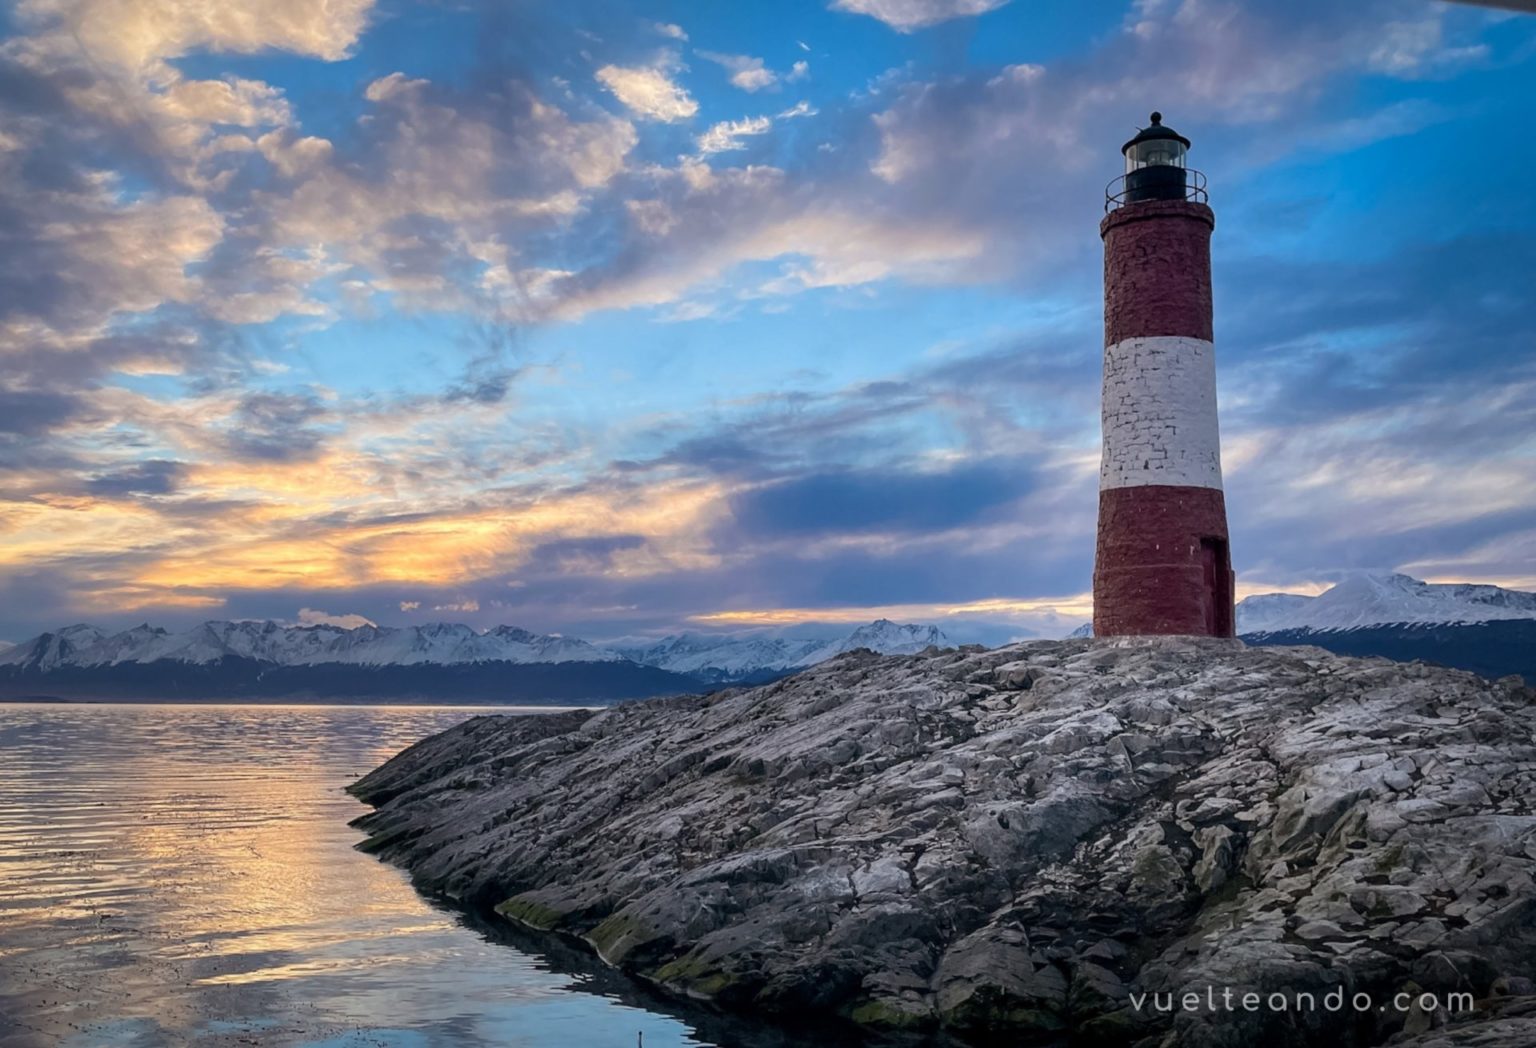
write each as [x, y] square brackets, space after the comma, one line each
[1018, 842]
[1216, 857]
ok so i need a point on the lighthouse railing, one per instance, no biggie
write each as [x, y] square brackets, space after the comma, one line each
[1119, 193]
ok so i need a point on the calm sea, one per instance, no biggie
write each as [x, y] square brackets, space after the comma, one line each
[184, 874]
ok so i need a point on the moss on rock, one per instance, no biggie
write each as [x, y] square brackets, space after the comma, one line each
[619, 935]
[891, 1013]
[694, 976]
[530, 912]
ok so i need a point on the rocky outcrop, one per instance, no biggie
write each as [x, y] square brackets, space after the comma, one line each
[1047, 840]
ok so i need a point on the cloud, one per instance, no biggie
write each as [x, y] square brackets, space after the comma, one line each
[275, 427]
[648, 92]
[1374, 409]
[429, 205]
[905, 16]
[311, 617]
[433, 203]
[151, 477]
[878, 501]
[110, 63]
[138, 36]
[703, 222]
[1051, 613]
[32, 412]
[320, 527]
[593, 555]
[115, 175]
[236, 101]
[670, 30]
[746, 72]
[395, 85]
[934, 181]
[77, 255]
[728, 134]
[1417, 47]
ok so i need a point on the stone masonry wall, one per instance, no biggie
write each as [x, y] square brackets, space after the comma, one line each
[1157, 271]
[1160, 414]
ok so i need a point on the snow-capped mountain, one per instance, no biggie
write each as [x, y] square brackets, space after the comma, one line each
[885, 637]
[438, 662]
[721, 656]
[1485, 629]
[1375, 600]
[1263, 610]
[752, 655]
[268, 642]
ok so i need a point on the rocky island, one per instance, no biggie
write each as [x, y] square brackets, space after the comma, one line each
[1048, 842]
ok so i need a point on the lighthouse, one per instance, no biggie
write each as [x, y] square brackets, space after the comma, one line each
[1162, 564]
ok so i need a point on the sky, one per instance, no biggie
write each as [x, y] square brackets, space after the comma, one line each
[613, 319]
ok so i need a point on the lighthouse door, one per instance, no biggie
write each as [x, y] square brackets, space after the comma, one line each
[1217, 578]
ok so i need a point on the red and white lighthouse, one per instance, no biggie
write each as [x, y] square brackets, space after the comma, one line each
[1162, 565]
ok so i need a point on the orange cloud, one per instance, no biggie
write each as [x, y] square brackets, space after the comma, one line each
[131, 598]
[1079, 606]
[446, 549]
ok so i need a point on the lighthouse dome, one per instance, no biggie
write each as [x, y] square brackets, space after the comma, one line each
[1155, 169]
[1155, 146]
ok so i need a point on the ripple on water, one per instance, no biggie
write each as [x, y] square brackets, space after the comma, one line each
[184, 874]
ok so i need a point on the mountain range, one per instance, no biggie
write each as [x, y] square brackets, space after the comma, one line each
[1486, 629]
[752, 657]
[440, 661]
[1380, 600]
[269, 642]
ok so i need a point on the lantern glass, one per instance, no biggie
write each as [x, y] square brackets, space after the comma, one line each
[1154, 152]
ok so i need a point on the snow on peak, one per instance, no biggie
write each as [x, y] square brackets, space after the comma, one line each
[727, 656]
[435, 643]
[55, 649]
[1373, 600]
[1267, 611]
[722, 656]
[885, 637]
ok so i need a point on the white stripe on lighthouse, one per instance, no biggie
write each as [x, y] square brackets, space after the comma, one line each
[1160, 414]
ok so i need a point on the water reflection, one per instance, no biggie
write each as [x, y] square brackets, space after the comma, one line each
[184, 874]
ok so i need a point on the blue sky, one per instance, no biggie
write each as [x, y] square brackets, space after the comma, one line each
[617, 318]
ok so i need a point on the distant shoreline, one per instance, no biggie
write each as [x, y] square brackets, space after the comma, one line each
[417, 702]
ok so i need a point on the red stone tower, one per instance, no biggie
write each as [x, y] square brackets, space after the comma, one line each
[1162, 564]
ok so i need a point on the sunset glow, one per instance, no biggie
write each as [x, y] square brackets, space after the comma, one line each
[618, 321]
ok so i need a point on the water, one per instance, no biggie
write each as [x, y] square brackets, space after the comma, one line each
[179, 874]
